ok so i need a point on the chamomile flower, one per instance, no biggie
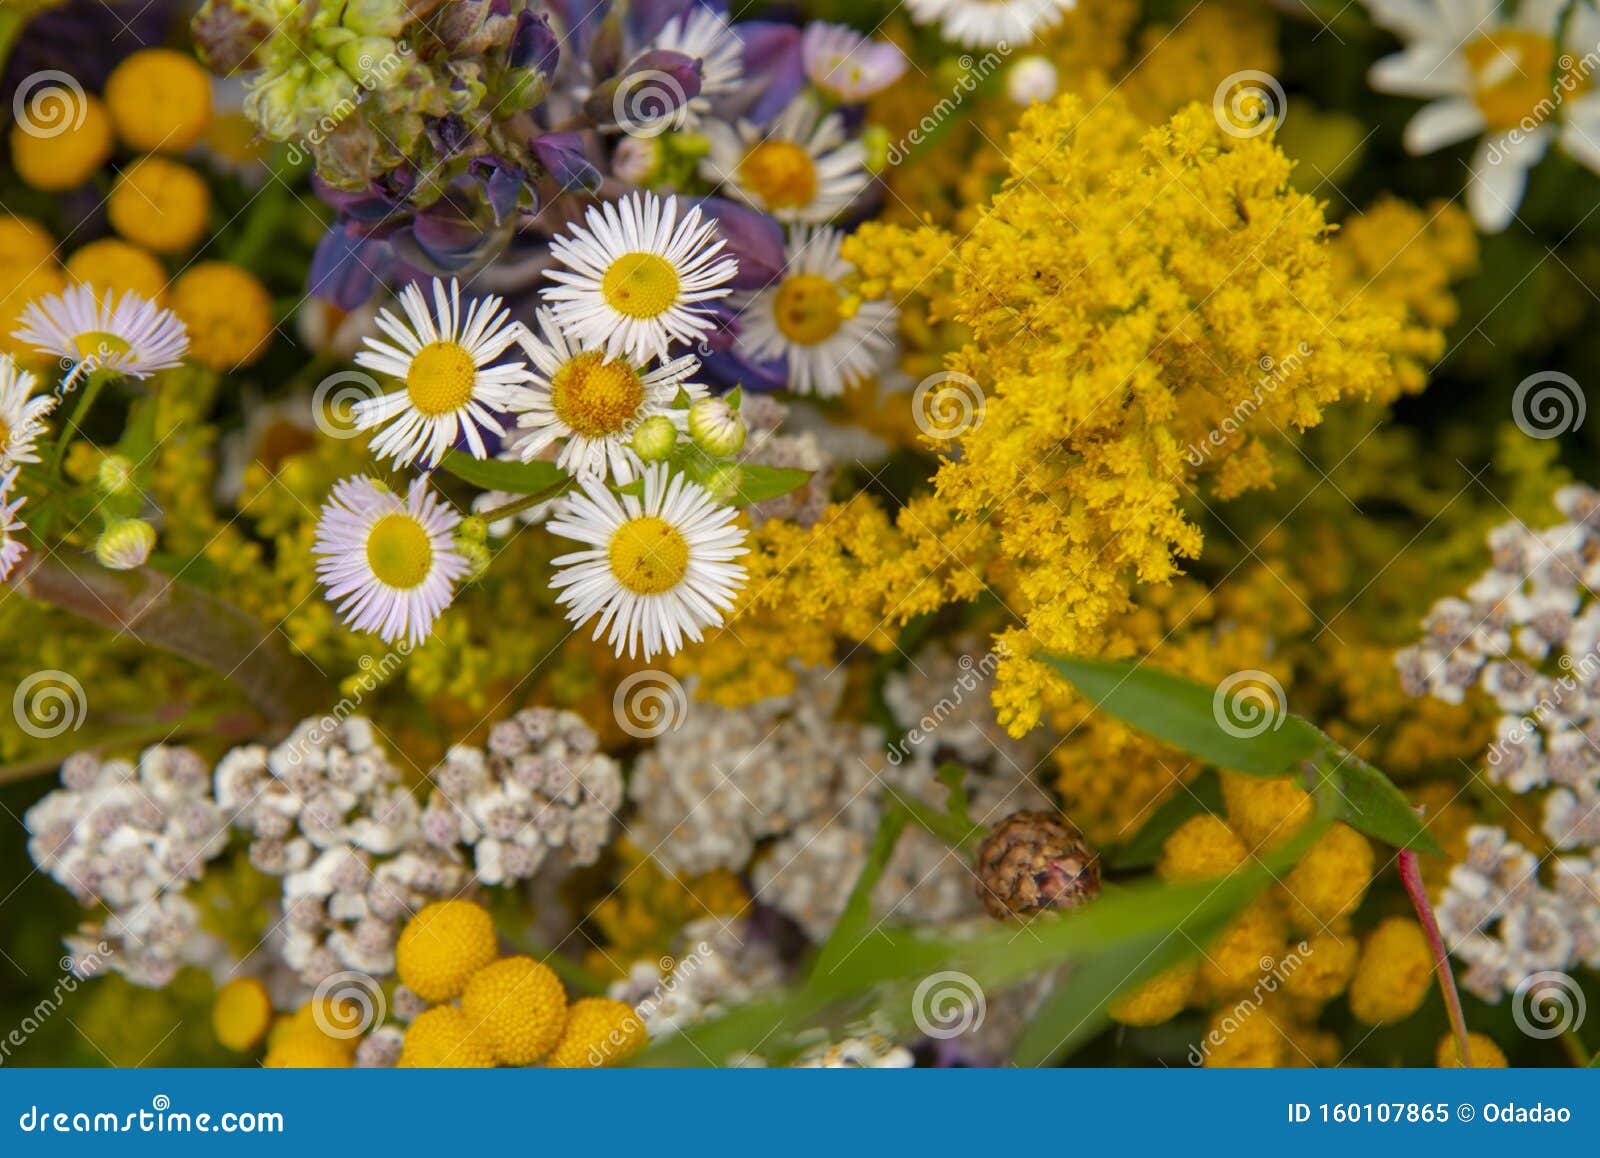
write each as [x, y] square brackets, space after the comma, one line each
[990, 23]
[637, 278]
[390, 564]
[1502, 76]
[709, 37]
[594, 403]
[126, 335]
[657, 568]
[804, 319]
[802, 168]
[11, 548]
[846, 65]
[21, 417]
[446, 360]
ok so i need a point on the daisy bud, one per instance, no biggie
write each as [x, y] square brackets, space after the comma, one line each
[875, 140]
[473, 530]
[1032, 80]
[724, 482]
[478, 558]
[125, 544]
[718, 428]
[116, 475]
[655, 438]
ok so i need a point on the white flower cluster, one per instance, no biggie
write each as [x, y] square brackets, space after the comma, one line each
[1528, 634]
[1499, 918]
[721, 965]
[867, 1047]
[942, 699]
[785, 771]
[330, 815]
[129, 837]
[543, 785]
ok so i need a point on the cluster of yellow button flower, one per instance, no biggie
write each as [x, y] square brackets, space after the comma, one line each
[484, 1009]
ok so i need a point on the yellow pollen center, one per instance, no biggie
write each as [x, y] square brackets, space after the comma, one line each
[807, 309]
[100, 344]
[440, 379]
[781, 173]
[1511, 75]
[648, 555]
[399, 551]
[596, 398]
[5, 434]
[641, 285]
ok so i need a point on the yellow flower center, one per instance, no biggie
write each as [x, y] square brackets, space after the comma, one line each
[100, 344]
[399, 551]
[1512, 72]
[641, 285]
[807, 309]
[781, 173]
[5, 434]
[596, 398]
[440, 379]
[648, 555]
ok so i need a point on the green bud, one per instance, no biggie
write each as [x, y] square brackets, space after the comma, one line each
[725, 481]
[875, 139]
[125, 544]
[473, 530]
[717, 427]
[655, 438]
[478, 557]
[116, 475]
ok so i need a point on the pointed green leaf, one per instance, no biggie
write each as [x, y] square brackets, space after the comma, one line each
[493, 474]
[1242, 724]
[1370, 803]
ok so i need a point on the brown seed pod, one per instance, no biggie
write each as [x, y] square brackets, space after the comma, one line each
[1033, 861]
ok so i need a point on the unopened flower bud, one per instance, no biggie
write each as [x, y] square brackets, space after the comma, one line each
[1033, 861]
[718, 428]
[478, 558]
[655, 438]
[724, 482]
[116, 475]
[125, 544]
[473, 530]
[1032, 80]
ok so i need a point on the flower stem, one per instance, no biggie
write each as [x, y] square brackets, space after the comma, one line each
[526, 502]
[1411, 874]
[80, 414]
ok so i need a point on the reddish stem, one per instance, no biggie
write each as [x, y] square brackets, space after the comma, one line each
[1411, 874]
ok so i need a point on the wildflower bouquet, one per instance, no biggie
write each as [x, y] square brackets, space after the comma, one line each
[652, 532]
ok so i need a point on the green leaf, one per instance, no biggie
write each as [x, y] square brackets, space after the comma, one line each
[1370, 803]
[852, 924]
[518, 478]
[1202, 794]
[1245, 726]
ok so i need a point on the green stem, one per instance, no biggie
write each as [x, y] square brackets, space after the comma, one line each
[526, 502]
[80, 414]
[261, 228]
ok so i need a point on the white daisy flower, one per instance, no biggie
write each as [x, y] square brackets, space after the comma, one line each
[390, 564]
[802, 168]
[637, 278]
[990, 23]
[710, 38]
[21, 417]
[802, 319]
[445, 360]
[1499, 76]
[11, 548]
[126, 335]
[594, 403]
[657, 569]
[847, 65]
